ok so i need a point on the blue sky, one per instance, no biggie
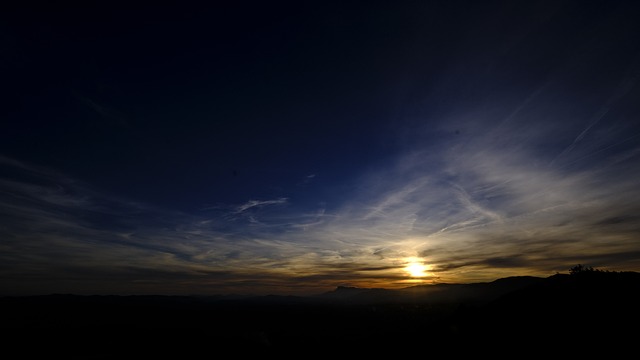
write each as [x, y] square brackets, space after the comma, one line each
[294, 148]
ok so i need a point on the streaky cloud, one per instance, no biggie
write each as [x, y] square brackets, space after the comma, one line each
[259, 203]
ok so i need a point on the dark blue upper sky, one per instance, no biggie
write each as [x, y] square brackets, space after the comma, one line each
[184, 106]
[353, 137]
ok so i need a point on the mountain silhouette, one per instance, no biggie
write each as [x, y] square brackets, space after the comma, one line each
[582, 313]
[435, 293]
[587, 313]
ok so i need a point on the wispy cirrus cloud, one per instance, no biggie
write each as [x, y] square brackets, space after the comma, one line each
[471, 213]
[532, 192]
[258, 204]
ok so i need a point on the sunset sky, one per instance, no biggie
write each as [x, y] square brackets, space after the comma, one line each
[292, 147]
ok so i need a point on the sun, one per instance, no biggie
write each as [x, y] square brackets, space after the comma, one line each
[416, 268]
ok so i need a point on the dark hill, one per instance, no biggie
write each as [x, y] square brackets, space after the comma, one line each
[562, 314]
[475, 293]
[589, 313]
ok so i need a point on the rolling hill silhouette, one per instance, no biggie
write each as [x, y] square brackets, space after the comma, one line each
[436, 293]
[578, 313]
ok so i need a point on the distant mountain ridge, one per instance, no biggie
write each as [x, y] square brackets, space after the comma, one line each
[480, 292]
[434, 293]
[579, 311]
[589, 312]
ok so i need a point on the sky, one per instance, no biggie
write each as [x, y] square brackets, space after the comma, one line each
[293, 147]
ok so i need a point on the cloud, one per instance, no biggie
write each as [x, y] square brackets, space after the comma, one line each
[258, 204]
[307, 179]
[533, 193]
[109, 116]
[56, 227]
[471, 212]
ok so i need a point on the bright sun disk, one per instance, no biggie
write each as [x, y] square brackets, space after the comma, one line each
[416, 269]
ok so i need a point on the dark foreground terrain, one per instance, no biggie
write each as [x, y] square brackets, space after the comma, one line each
[590, 313]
